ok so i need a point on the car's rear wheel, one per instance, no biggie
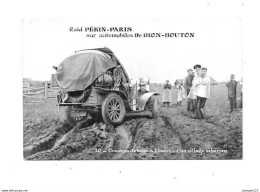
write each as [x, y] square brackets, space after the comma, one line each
[113, 109]
[75, 115]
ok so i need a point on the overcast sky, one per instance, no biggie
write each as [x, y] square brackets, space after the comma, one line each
[217, 45]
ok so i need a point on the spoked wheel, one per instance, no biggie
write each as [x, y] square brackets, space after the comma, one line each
[113, 109]
[75, 115]
[152, 106]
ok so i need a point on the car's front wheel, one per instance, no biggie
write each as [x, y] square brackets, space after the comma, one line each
[154, 108]
[152, 105]
[113, 109]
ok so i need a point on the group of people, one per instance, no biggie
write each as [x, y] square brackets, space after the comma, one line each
[166, 99]
[197, 88]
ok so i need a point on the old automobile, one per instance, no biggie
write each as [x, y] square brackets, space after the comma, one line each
[94, 85]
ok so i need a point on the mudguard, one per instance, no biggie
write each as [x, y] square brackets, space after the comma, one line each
[144, 98]
[119, 92]
[103, 90]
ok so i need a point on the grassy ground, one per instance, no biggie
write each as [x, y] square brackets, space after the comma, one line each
[35, 108]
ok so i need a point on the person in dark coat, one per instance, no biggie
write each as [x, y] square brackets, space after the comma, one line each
[232, 92]
[187, 86]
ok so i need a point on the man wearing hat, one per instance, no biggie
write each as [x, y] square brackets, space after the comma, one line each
[193, 90]
[232, 92]
[187, 86]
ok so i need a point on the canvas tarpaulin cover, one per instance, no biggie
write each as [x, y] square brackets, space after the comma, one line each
[77, 72]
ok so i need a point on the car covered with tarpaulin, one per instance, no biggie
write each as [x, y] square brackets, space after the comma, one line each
[94, 85]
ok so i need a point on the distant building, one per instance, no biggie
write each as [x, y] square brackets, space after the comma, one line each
[26, 82]
[36, 83]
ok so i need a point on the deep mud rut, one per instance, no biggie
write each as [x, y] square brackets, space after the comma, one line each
[169, 136]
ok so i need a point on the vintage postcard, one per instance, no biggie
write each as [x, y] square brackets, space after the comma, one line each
[152, 89]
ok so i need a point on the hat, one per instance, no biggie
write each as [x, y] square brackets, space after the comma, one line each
[197, 66]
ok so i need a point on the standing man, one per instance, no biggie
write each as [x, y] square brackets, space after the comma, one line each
[187, 86]
[193, 90]
[202, 92]
[232, 92]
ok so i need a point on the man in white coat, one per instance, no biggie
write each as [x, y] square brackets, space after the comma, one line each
[202, 92]
[193, 90]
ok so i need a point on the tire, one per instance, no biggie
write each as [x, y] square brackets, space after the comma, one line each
[154, 108]
[113, 109]
[72, 121]
[152, 105]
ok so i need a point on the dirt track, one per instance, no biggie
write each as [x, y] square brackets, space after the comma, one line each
[173, 135]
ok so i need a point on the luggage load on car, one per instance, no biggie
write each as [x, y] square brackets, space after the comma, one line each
[94, 84]
[79, 71]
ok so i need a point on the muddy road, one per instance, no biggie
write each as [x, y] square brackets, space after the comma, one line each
[172, 135]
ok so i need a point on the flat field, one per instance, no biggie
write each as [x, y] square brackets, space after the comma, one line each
[174, 134]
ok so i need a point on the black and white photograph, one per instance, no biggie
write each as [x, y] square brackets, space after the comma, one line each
[132, 90]
[129, 96]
